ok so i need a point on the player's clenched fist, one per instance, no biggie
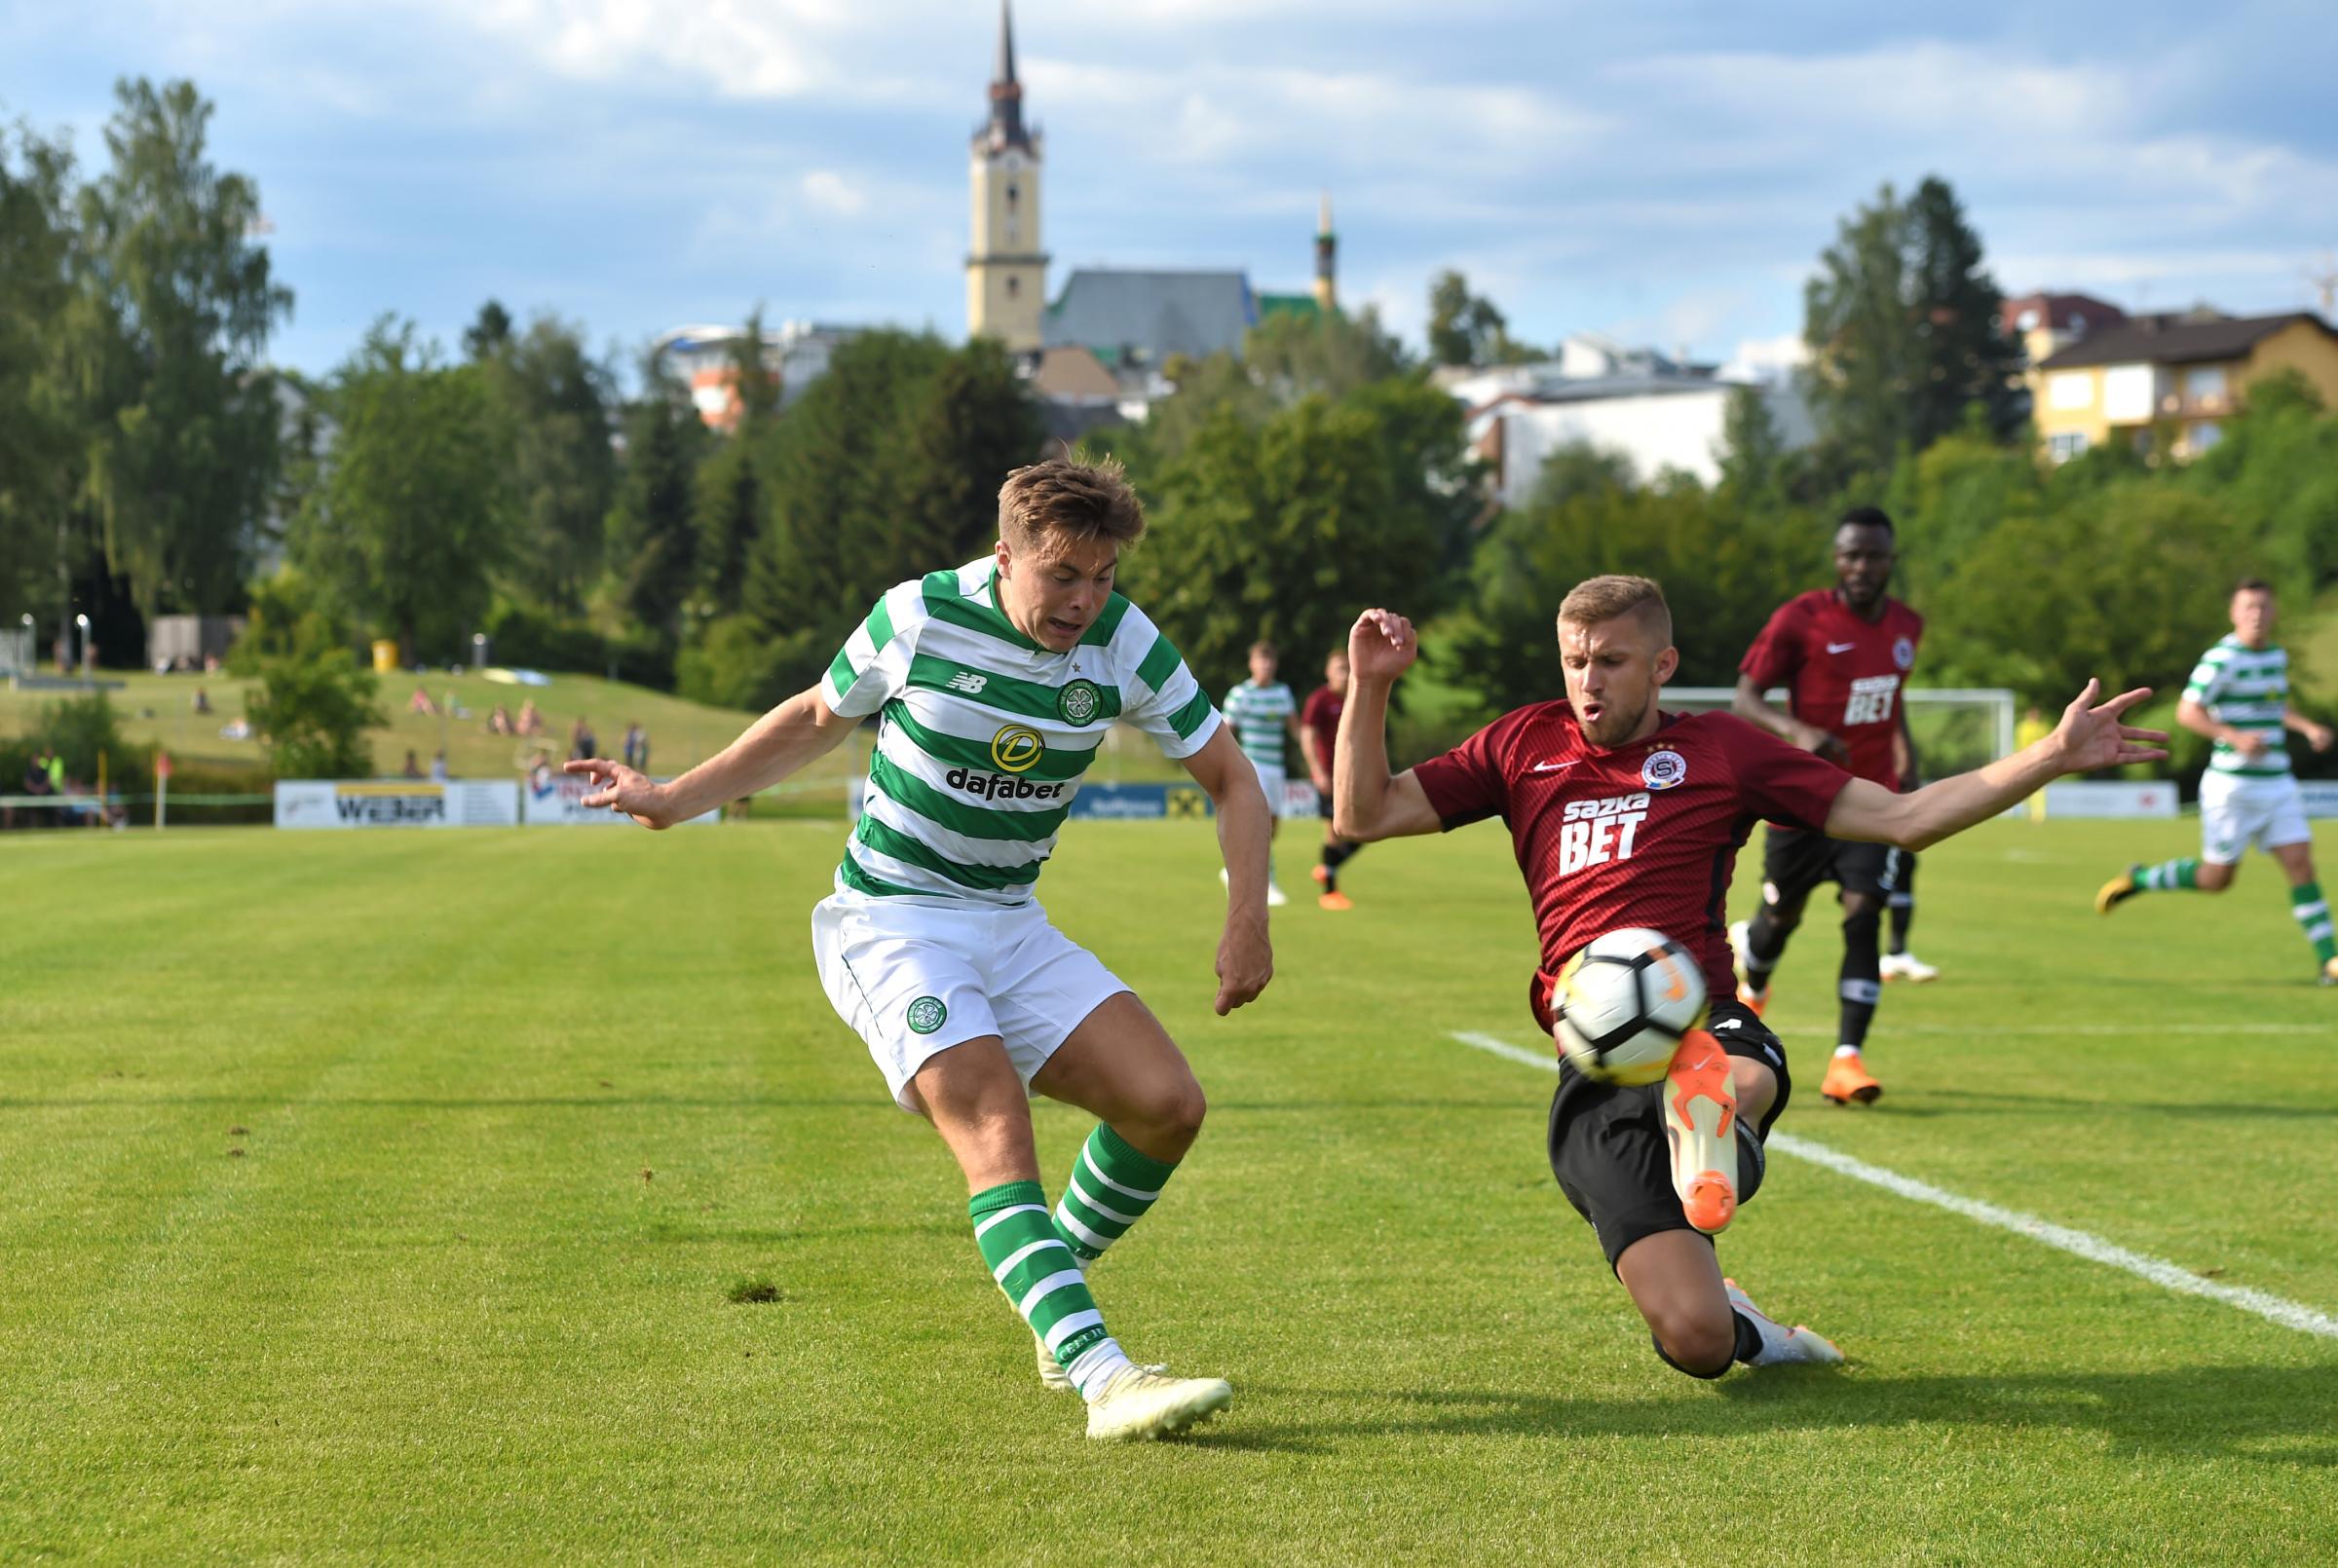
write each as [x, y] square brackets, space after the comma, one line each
[1381, 645]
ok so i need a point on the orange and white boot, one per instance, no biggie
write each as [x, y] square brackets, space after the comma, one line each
[1700, 1123]
[1848, 1080]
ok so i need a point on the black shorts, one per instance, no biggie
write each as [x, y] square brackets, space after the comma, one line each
[1608, 1149]
[1795, 861]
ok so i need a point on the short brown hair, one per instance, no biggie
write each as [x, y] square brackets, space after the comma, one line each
[1263, 646]
[2251, 585]
[1598, 599]
[1069, 500]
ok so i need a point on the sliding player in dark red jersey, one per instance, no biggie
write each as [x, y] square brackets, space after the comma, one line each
[1843, 655]
[1622, 815]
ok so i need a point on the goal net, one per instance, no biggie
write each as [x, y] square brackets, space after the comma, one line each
[1955, 727]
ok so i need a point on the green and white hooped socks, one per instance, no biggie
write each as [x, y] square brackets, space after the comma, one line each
[1110, 1186]
[2312, 913]
[1042, 1279]
[2168, 875]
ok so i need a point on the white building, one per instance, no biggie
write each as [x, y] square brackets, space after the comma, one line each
[699, 356]
[1657, 413]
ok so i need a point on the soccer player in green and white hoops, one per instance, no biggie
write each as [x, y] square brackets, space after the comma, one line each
[2238, 697]
[994, 684]
[1264, 715]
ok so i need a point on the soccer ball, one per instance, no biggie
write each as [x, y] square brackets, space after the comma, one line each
[1622, 1004]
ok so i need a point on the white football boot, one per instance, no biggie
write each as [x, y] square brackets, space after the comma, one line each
[1137, 1404]
[1780, 1344]
[1908, 966]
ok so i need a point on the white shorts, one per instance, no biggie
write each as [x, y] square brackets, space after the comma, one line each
[2236, 812]
[913, 980]
[1273, 780]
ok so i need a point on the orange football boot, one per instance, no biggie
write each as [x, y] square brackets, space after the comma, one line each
[1337, 901]
[1700, 1123]
[1848, 1079]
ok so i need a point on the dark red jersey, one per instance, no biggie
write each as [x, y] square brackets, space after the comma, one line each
[1321, 716]
[1641, 836]
[1841, 673]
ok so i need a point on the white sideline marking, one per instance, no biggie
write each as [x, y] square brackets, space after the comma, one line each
[2077, 1243]
[1898, 1027]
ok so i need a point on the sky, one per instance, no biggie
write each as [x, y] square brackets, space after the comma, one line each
[1666, 174]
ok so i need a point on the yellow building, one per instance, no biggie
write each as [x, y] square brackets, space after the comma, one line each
[1006, 270]
[2186, 374]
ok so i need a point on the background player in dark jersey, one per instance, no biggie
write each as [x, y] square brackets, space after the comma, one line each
[1319, 722]
[1843, 655]
[1621, 815]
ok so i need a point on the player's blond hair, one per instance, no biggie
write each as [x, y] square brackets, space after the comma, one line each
[1598, 599]
[1069, 501]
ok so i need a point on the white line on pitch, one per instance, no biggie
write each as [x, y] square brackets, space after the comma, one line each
[1899, 1028]
[2288, 1314]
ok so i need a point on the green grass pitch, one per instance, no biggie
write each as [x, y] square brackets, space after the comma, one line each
[514, 1196]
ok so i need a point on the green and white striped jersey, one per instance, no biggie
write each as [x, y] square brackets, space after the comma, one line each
[1262, 718]
[2247, 688]
[984, 733]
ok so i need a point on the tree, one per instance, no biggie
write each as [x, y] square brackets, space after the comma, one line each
[1467, 330]
[834, 471]
[411, 518]
[168, 340]
[1723, 572]
[551, 404]
[39, 469]
[960, 435]
[650, 544]
[489, 332]
[1282, 529]
[1902, 330]
[1331, 353]
[314, 705]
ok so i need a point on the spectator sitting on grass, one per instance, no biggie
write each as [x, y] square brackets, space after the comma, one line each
[200, 702]
[419, 702]
[530, 720]
[438, 771]
[499, 723]
[413, 769]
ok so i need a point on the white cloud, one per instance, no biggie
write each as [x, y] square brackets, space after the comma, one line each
[825, 188]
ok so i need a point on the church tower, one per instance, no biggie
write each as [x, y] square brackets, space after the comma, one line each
[1326, 259]
[1006, 270]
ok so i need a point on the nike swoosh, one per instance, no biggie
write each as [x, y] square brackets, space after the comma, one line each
[1547, 767]
[1841, 648]
[1728, 1023]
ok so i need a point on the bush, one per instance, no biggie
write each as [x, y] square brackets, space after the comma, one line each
[733, 664]
[312, 707]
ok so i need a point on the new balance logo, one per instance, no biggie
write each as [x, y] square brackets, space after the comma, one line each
[968, 681]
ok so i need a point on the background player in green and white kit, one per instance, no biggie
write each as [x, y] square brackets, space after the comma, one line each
[1266, 718]
[2238, 697]
[994, 684]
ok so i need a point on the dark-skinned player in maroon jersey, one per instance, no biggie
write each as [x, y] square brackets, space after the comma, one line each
[1843, 655]
[1622, 815]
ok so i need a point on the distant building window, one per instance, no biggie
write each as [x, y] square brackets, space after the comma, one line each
[2204, 383]
[1014, 285]
[2069, 444]
[2026, 321]
[2202, 436]
[2071, 389]
[1014, 194]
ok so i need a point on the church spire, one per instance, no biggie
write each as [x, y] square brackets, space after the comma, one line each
[1005, 125]
[1327, 258]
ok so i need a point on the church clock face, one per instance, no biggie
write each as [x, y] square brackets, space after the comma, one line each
[1012, 162]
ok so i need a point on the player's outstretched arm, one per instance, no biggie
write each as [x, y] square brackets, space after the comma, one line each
[774, 746]
[1245, 956]
[1366, 803]
[2090, 735]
